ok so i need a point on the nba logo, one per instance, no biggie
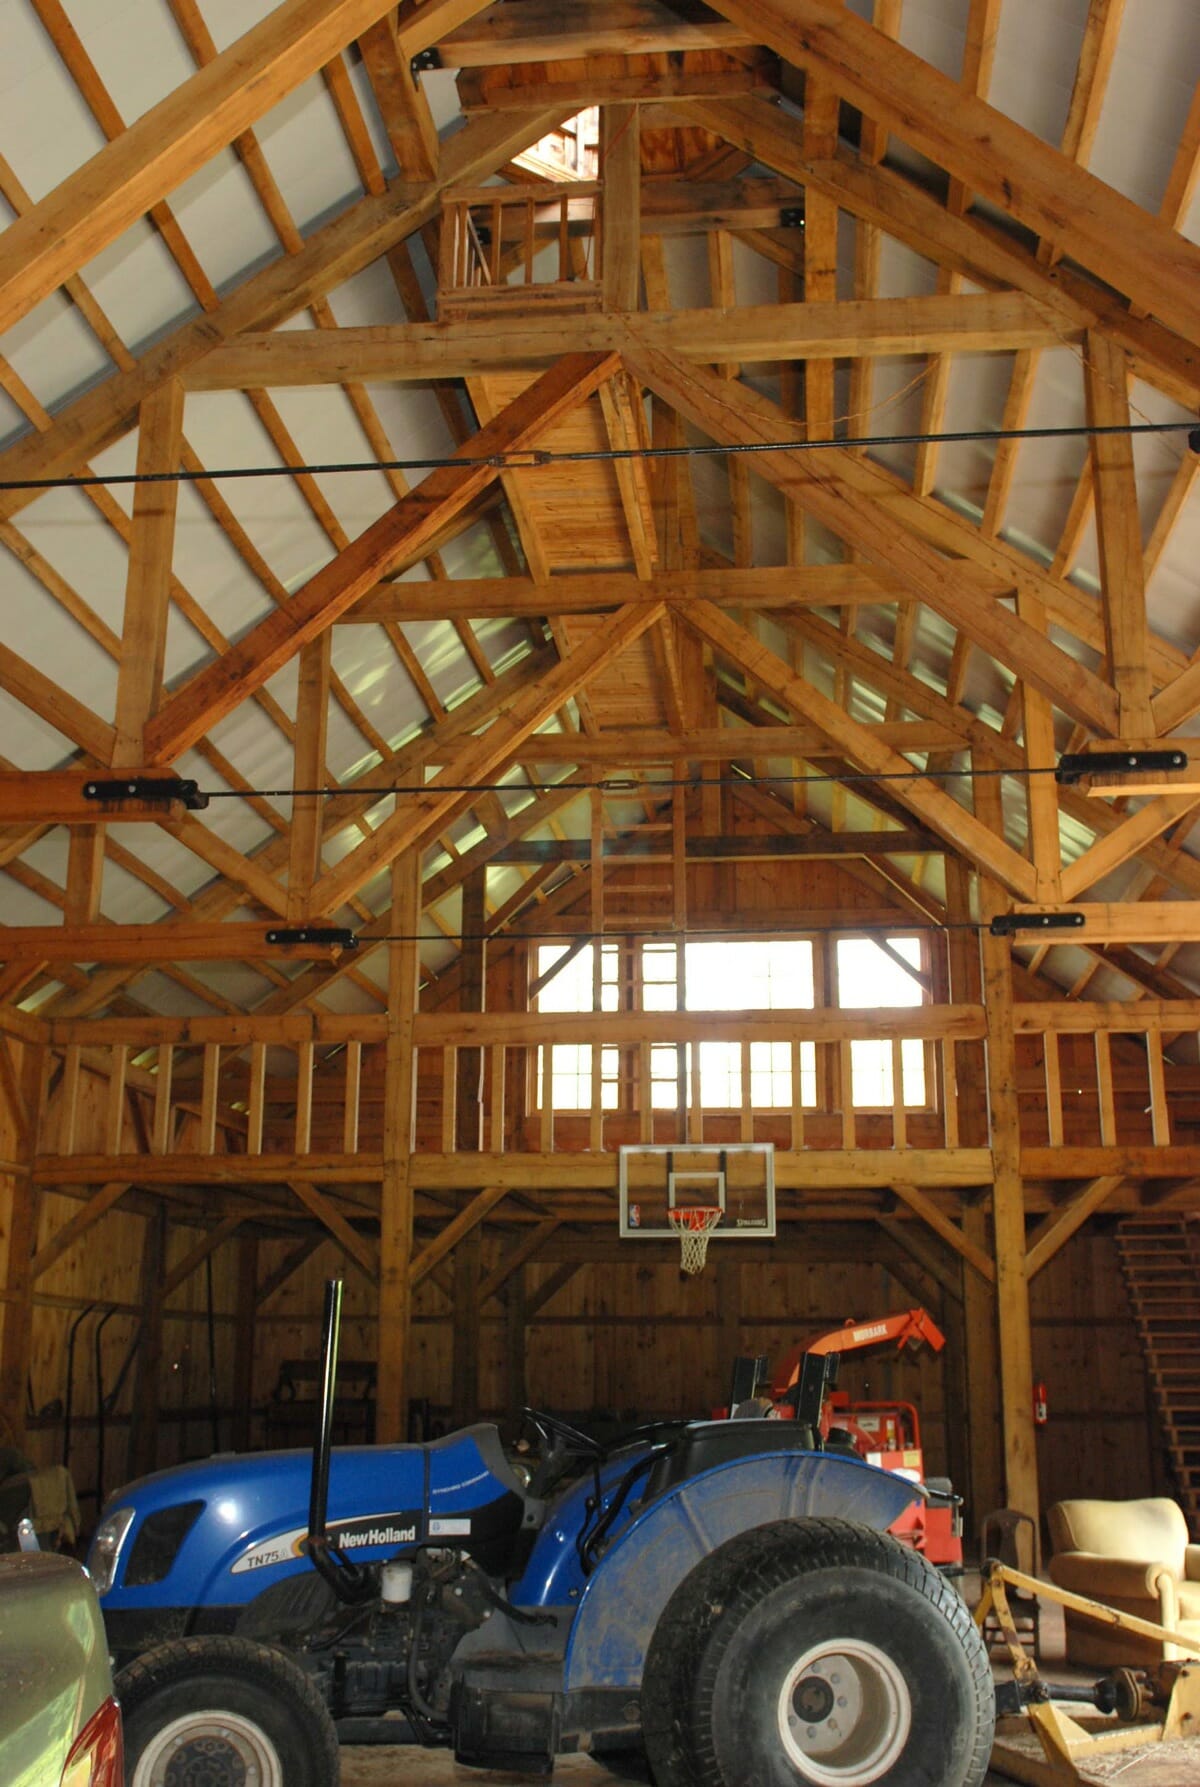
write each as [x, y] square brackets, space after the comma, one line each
[635, 1216]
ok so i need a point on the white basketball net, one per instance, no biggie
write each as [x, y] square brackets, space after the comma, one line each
[694, 1224]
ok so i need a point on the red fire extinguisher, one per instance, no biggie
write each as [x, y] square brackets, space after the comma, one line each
[1040, 1410]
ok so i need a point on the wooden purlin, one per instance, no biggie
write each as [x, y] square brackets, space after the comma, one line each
[1037, 185]
[333, 253]
[404, 532]
[171, 141]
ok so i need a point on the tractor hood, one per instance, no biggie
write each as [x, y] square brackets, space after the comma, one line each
[219, 1531]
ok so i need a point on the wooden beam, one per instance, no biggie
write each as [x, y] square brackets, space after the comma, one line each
[621, 206]
[1119, 533]
[981, 322]
[1008, 1190]
[148, 583]
[564, 30]
[1125, 840]
[147, 1383]
[907, 1236]
[1128, 921]
[479, 91]
[1054, 1231]
[290, 1263]
[516, 1258]
[98, 1205]
[195, 1256]
[480, 758]
[347, 1238]
[467, 1029]
[841, 494]
[449, 1237]
[722, 744]
[22, 1212]
[961, 830]
[308, 775]
[401, 100]
[738, 848]
[994, 156]
[968, 245]
[400, 534]
[396, 1188]
[169, 143]
[587, 592]
[804, 1170]
[57, 797]
[923, 1206]
[550, 1287]
[61, 711]
[161, 942]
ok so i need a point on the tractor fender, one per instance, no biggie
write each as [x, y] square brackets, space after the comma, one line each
[633, 1582]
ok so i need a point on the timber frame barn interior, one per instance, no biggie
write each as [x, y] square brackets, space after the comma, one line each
[742, 690]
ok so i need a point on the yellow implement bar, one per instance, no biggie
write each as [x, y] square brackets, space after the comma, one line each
[1174, 1687]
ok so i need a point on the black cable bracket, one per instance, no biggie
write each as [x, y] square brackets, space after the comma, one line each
[152, 790]
[330, 936]
[1007, 923]
[1076, 766]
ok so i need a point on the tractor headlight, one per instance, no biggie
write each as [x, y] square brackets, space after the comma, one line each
[106, 1548]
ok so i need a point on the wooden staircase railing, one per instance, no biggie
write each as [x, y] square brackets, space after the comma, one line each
[1160, 1261]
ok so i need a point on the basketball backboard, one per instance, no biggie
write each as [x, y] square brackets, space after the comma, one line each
[738, 1178]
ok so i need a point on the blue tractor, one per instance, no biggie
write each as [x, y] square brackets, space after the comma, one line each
[719, 1594]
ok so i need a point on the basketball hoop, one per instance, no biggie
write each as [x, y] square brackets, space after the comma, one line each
[694, 1224]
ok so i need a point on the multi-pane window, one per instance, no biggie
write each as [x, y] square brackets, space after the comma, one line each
[731, 976]
[571, 988]
[870, 976]
[749, 976]
[660, 977]
[571, 1076]
[738, 975]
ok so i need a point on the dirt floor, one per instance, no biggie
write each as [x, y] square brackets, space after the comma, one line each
[1160, 1765]
[1166, 1765]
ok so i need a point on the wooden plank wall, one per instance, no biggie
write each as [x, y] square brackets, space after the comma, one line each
[1102, 1438]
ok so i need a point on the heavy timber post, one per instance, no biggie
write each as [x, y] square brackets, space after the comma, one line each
[1008, 1223]
[985, 1485]
[22, 1239]
[396, 1192]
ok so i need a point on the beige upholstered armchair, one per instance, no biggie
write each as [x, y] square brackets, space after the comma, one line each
[1133, 1556]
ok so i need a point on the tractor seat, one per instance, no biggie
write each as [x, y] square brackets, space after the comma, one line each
[707, 1443]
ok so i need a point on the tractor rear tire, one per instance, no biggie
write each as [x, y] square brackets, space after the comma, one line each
[816, 1653]
[224, 1709]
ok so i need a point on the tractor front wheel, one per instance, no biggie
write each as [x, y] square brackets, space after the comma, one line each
[224, 1712]
[815, 1653]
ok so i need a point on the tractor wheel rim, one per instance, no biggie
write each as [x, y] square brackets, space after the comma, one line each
[212, 1749]
[844, 1713]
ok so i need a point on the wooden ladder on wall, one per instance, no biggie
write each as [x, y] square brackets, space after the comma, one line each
[1160, 1262]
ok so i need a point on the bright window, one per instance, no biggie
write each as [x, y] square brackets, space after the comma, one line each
[571, 1076]
[660, 976]
[571, 989]
[869, 976]
[749, 976]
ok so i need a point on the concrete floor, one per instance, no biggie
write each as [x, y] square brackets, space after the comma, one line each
[1163, 1765]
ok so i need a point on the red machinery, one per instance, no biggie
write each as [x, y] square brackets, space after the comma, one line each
[884, 1433]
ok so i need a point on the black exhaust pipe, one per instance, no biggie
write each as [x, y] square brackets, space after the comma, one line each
[350, 1582]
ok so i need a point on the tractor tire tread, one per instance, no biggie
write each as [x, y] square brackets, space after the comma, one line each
[738, 1576]
[186, 1659]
